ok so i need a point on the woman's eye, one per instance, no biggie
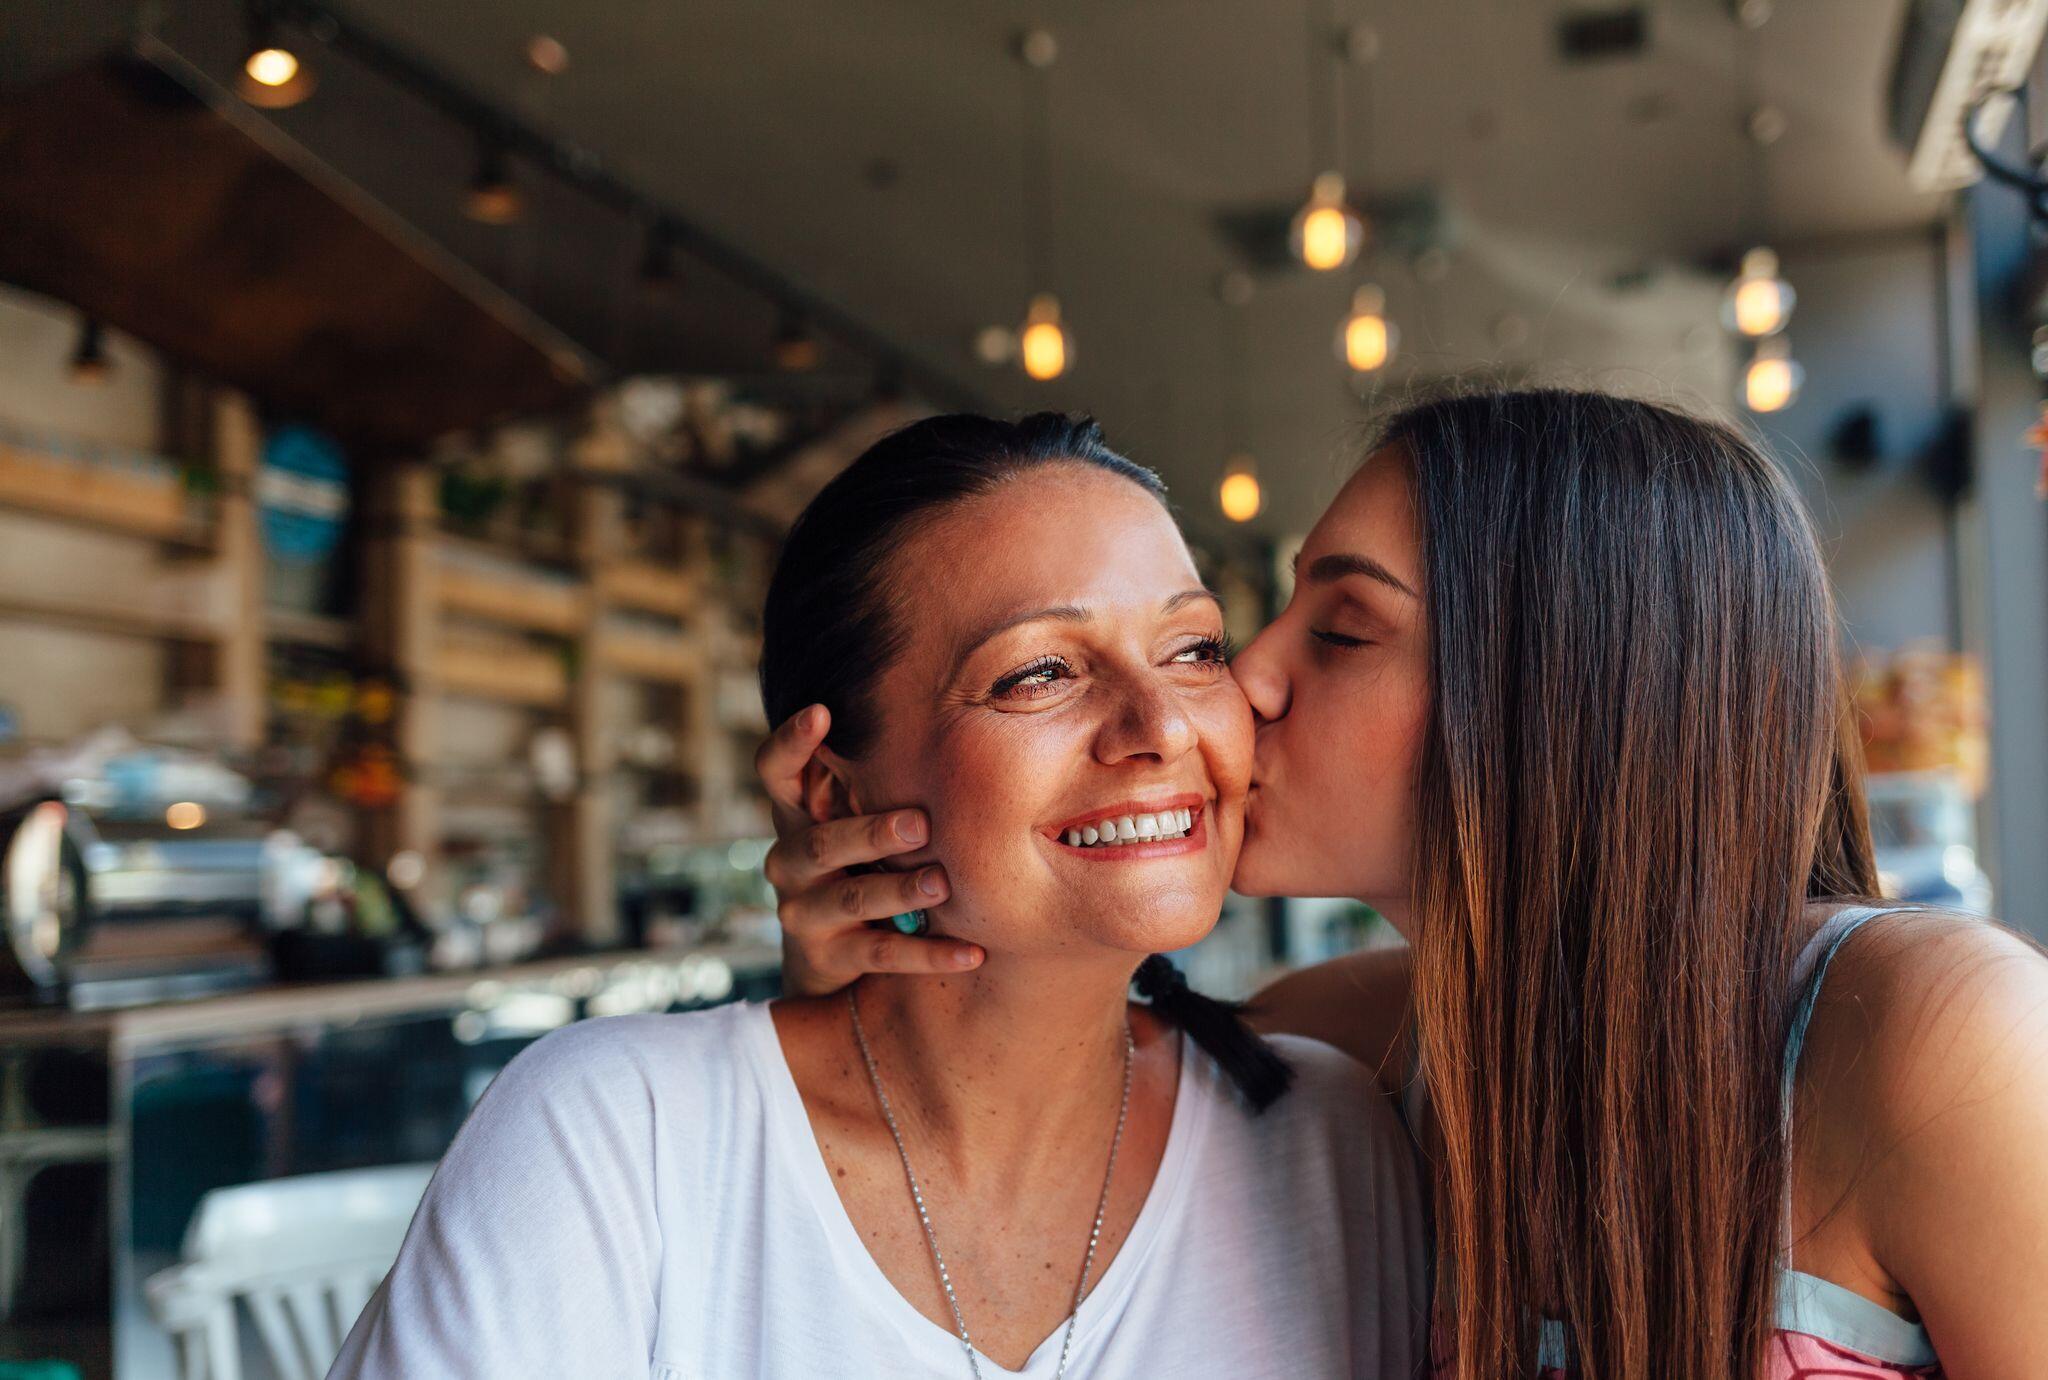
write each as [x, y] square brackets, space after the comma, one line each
[1210, 650]
[1032, 682]
[1336, 639]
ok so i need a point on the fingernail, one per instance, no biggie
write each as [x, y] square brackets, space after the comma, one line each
[930, 883]
[910, 827]
[965, 957]
[810, 718]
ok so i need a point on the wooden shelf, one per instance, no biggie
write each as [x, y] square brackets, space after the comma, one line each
[97, 495]
[647, 587]
[503, 669]
[665, 658]
[510, 597]
[100, 618]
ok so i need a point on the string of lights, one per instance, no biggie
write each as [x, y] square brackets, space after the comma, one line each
[1326, 234]
[276, 73]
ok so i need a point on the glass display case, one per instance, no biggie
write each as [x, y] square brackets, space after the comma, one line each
[114, 1124]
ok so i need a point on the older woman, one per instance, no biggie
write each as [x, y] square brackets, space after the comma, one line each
[1008, 1171]
[1558, 692]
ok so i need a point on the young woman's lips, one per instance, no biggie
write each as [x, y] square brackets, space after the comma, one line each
[1193, 841]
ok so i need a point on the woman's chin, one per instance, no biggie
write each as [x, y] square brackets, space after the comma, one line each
[1165, 928]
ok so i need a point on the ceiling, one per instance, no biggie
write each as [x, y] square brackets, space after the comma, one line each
[873, 152]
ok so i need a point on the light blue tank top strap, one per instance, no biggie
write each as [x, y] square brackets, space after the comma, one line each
[1807, 1303]
[1809, 971]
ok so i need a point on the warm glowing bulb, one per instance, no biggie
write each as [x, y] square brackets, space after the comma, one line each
[271, 66]
[1367, 340]
[1759, 307]
[185, 814]
[1239, 495]
[272, 77]
[1323, 236]
[1043, 343]
[1771, 383]
[1759, 302]
[1365, 343]
[1327, 233]
[1045, 350]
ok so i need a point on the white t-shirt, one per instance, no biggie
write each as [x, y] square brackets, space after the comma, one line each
[642, 1198]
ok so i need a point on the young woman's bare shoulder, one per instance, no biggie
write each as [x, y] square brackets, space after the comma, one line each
[1912, 1004]
[1932, 1037]
[1359, 1003]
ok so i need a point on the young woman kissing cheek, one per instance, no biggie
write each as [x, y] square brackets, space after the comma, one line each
[1339, 684]
[1077, 683]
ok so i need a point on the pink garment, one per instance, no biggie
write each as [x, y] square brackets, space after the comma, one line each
[1796, 1356]
[1792, 1356]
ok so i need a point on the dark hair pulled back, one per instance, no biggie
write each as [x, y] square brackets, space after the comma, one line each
[829, 628]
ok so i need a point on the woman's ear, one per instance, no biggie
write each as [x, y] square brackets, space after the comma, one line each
[829, 790]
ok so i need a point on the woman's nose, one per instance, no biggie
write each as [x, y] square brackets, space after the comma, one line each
[1261, 675]
[1149, 721]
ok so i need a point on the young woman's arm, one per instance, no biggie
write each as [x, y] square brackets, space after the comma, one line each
[1359, 1003]
[1952, 1093]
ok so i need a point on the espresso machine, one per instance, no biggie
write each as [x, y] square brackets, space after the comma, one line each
[144, 878]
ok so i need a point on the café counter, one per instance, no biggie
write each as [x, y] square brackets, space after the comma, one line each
[114, 1123]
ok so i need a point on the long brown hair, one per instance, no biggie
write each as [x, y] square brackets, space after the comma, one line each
[1638, 771]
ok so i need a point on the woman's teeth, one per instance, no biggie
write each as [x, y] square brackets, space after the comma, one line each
[1167, 824]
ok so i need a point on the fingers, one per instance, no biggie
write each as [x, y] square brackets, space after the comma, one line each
[856, 898]
[881, 951]
[781, 760]
[854, 953]
[807, 854]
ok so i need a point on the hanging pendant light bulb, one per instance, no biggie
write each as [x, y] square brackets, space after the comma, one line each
[1326, 234]
[796, 350]
[1239, 495]
[1772, 381]
[89, 365]
[1759, 302]
[1366, 340]
[272, 76]
[493, 196]
[1043, 344]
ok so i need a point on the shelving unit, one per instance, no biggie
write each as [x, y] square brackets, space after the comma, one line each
[581, 632]
[207, 591]
[115, 492]
[457, 619]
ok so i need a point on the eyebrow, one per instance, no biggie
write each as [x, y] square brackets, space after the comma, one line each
[1065, 613]
[1325, 570]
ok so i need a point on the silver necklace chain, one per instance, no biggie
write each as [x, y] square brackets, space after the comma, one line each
[924, 1217]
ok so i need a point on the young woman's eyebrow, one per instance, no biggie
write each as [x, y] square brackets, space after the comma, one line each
[1325, 570]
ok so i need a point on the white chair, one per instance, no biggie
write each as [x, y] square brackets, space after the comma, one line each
[303, 1253]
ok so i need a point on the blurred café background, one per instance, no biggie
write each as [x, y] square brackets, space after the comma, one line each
[400, 404]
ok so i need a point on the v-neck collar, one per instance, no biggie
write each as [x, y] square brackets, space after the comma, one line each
[793, 1136]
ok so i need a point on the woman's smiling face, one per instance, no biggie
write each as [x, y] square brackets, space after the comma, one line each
[1062, 671]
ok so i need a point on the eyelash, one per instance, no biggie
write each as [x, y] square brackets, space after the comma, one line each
[1015, 680]
[1214, 651]
[1336, 639]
